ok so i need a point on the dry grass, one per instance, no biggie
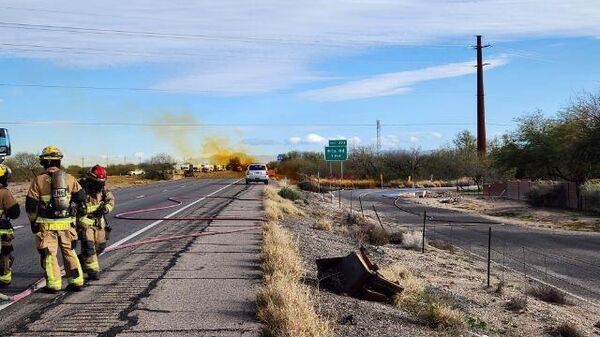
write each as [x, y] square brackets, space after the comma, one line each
[465, 181]
[349, 183]
[287, 310]
[548, 294]
[420, 301]
[277, 207]
[323, 224]
[279, 253]
[285, 305]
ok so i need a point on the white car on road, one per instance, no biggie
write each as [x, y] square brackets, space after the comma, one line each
[257, 172]
[136, 173]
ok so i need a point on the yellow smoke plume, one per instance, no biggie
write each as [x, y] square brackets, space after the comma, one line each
[180, 137]
[219, 150]
[189, 143]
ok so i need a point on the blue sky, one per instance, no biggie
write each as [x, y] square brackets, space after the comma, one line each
[271, 77]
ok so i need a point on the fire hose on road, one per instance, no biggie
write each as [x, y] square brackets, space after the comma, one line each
[133, 215]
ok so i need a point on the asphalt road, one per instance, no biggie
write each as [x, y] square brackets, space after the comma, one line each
[27, 269]
[566, 259]
[163, 288]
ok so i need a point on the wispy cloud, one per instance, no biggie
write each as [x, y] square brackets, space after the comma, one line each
[311, 138]
[397, 83]
[204, 56]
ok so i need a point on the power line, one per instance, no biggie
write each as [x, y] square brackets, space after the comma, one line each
[58, 86]
[243, 39]
[202, 125]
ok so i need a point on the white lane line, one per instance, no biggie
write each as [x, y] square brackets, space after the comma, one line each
[17, 227]
[164, 190]
[157, 222]
[140, 196]
[150, 226]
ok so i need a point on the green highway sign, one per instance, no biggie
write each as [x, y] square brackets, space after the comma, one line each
[336, 153]
[338, 142]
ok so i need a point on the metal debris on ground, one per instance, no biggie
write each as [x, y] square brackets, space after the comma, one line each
[355, 275]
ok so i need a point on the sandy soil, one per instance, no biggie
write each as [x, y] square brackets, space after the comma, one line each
[454, 274]
[516, 212]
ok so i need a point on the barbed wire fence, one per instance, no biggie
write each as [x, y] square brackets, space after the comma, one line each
[503, 256]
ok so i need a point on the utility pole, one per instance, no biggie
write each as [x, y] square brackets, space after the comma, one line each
[481, 138]
[82, 162]
[378, 136]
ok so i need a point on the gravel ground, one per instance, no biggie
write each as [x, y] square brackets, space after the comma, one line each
[459, 279]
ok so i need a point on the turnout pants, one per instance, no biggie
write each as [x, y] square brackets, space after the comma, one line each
[93, 242]
[6, 258]
[49, 242]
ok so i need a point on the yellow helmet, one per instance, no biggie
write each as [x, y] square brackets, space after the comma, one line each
[51, 152]
[5, 171]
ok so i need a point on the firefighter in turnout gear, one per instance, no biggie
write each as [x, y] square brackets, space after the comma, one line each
[92, 228]
[9, 209]
[54, 199]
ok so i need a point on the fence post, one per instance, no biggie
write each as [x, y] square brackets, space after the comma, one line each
[319, 180]
[489, 256]
[378, 218]
[423, 241]
[361, 206]
[524, 274]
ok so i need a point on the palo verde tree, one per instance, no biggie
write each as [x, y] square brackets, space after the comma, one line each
[563, 147]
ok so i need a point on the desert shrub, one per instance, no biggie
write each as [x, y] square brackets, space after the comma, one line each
[290, 194]
[500, 287]
[308, 184]
[590, 196]
[159, 167]
[323, 224]
[441, 244]
[517, 304]
[377, 236]
[396, 237]
[548, 294]
[412, 240]
[565, 330]
[277, 207]
[476, 323]
[120, 169]
[547, 194]
[76, 170]
[353, 218]
[24, 166]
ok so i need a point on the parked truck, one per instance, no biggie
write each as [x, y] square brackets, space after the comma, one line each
[4, 144]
